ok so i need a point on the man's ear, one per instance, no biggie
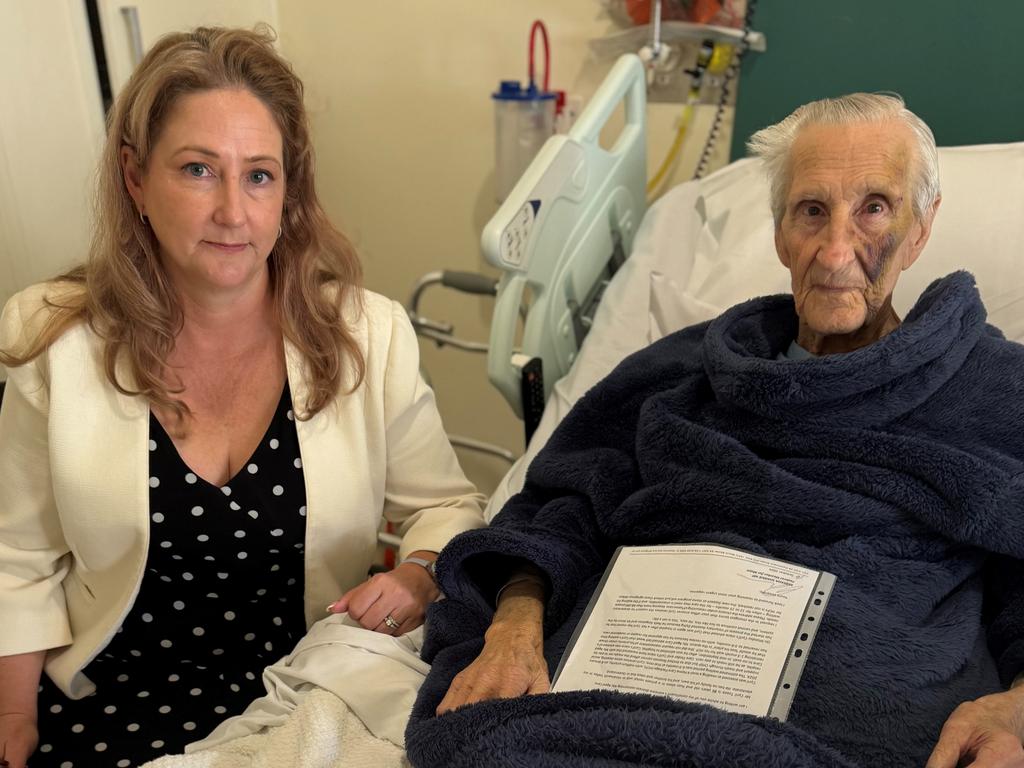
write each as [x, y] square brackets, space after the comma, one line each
[780, 249]
[132, 174]
[921, 231]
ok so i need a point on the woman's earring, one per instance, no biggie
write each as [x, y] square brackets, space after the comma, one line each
[142, 218]
[279, 231]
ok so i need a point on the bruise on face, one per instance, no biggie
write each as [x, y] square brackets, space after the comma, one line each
[877, 255]
[879, 250]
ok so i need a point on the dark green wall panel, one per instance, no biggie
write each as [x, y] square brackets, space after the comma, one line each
[958, 63]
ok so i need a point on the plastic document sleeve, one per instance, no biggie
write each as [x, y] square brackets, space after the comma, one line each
[701, 623]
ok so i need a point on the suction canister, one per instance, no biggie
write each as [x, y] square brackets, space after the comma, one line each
[524, 118]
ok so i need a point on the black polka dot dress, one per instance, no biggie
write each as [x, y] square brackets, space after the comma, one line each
[222, 598]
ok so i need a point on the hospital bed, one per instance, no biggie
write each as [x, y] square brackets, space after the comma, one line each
[606, 276]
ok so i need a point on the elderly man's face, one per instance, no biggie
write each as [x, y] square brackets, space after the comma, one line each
[848, 230]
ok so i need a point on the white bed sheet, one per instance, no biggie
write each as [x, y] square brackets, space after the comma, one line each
[340, 699]
[708, 245]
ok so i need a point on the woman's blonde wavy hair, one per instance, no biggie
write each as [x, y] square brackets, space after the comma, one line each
[125, 295]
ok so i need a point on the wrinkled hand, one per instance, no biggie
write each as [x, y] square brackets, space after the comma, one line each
[512, 660]
[18, 738]
[985, 733]
[403, 594]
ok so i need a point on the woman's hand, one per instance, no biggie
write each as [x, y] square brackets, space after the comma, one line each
[512, 661]
[19, 727]
[18, 738]
[985, 733]
[394, 602]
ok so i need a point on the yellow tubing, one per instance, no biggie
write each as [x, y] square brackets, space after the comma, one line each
[721, 56]
[673, 152]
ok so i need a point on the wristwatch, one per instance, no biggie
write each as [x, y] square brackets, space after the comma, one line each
[430, 565]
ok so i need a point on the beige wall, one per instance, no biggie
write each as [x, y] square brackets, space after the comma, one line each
[158, 17]
[51, 128]
[399, 96]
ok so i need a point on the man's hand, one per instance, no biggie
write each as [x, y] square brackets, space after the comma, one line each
[401, 595]
[985, 733]
[512, 660]
[18, 738]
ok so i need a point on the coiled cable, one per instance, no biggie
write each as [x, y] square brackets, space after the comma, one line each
[731, 74]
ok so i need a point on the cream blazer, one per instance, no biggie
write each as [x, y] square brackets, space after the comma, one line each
[74, 482]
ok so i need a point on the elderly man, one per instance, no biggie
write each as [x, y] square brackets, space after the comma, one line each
[817, 428]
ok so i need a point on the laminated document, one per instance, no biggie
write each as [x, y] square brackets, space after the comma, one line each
[698, 622]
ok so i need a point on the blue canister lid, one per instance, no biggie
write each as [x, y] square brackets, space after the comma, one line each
[510, 90]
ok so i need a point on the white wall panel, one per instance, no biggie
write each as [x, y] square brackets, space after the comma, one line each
[51, 128]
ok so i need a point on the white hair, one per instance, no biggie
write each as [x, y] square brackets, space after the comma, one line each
[774, 143]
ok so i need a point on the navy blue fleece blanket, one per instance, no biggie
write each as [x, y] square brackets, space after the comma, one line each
[898, 467]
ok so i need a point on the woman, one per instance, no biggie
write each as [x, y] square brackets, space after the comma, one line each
[155, 546]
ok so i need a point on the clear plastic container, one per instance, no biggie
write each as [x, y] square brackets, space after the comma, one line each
[524, 118]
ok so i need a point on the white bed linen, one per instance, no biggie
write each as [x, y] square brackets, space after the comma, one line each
[321, 733]
[365, 684]
[708, 245]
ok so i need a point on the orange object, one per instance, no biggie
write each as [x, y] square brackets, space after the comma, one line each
[699, 11]
[639, 11]
[703, 11]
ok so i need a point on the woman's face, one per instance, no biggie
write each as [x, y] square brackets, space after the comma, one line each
[213, 191]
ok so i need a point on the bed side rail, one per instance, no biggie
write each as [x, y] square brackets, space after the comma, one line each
[562, 231]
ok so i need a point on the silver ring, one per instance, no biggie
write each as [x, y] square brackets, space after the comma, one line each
[390, 621]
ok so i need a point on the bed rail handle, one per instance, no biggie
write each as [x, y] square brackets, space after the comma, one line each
[627, 82]
[469, 282]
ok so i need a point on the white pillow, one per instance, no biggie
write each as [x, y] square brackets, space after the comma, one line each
[979, 227]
